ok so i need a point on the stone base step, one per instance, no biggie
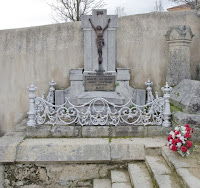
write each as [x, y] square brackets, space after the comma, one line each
[66, 131]
[78, 150]
[161, 172]
[102, 183]
[139, 175]
[120, 179]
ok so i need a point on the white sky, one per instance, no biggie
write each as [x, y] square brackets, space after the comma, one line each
[26, 13]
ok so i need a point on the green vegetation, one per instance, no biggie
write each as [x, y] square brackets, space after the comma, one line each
[117, 84]
[175, 109]
[132, 106]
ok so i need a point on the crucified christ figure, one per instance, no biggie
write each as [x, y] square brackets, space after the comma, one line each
[99, 41]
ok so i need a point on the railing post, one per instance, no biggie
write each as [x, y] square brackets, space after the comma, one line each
[150, 96]
[31, 113]
[51, 95]
[167, 112]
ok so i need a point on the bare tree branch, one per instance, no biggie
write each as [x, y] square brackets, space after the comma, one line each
[158, 6]
[72, 10]
[120, 11]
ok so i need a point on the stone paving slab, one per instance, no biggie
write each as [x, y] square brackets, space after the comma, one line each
[139, 175]
[156, 142]
[182, 168]
[171, 159]
[160, 171]
[121, 185]
[187, 178]
[127, 149]
[66, 150]
[120, 179]
[101, 183]
[119, 176]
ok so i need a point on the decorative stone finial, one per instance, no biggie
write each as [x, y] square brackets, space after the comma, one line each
[150, 96]
[179, 32]
[52, 84]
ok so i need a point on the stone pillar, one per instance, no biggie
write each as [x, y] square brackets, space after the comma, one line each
[179, 39]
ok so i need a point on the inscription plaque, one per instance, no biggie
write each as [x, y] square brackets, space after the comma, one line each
[99, 83]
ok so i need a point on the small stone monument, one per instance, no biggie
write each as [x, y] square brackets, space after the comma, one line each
[179, 39]
[100, 78]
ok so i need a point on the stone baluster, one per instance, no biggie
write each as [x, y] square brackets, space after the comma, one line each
[179, 38]
[31, 113]
[150, 96]
[167, 112]
[51, 95]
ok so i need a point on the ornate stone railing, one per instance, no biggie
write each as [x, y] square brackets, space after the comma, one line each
[99, 111]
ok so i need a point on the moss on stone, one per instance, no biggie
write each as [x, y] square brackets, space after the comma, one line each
[175, 109]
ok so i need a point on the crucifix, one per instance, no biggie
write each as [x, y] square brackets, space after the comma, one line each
[99, 41]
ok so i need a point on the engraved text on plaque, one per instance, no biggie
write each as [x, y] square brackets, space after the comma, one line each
[99, 83]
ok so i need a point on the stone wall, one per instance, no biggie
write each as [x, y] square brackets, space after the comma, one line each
[39, 54]
[57, 175]
[142, 46]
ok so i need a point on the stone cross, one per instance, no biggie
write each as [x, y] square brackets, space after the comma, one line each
[91, 56]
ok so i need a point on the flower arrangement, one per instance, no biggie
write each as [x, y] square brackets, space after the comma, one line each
[180, 140]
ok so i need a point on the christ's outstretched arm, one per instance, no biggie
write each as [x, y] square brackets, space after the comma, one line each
[92, 24]
[107, 25]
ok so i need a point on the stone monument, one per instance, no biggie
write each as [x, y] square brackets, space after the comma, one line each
[179, 38]
[100, 78]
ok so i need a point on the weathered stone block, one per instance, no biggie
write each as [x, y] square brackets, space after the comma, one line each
[186, 95]
[153, 131]
[139, 175]
[66, 131]
[40, 131]
[102, 183]
[119, 176]
[60, 150]
[132, 131]
[126, 149]
[1, 176]
[95, 131]
[8, 147]
[181, 118]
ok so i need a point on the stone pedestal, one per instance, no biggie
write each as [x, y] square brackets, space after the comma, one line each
[179, 39]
